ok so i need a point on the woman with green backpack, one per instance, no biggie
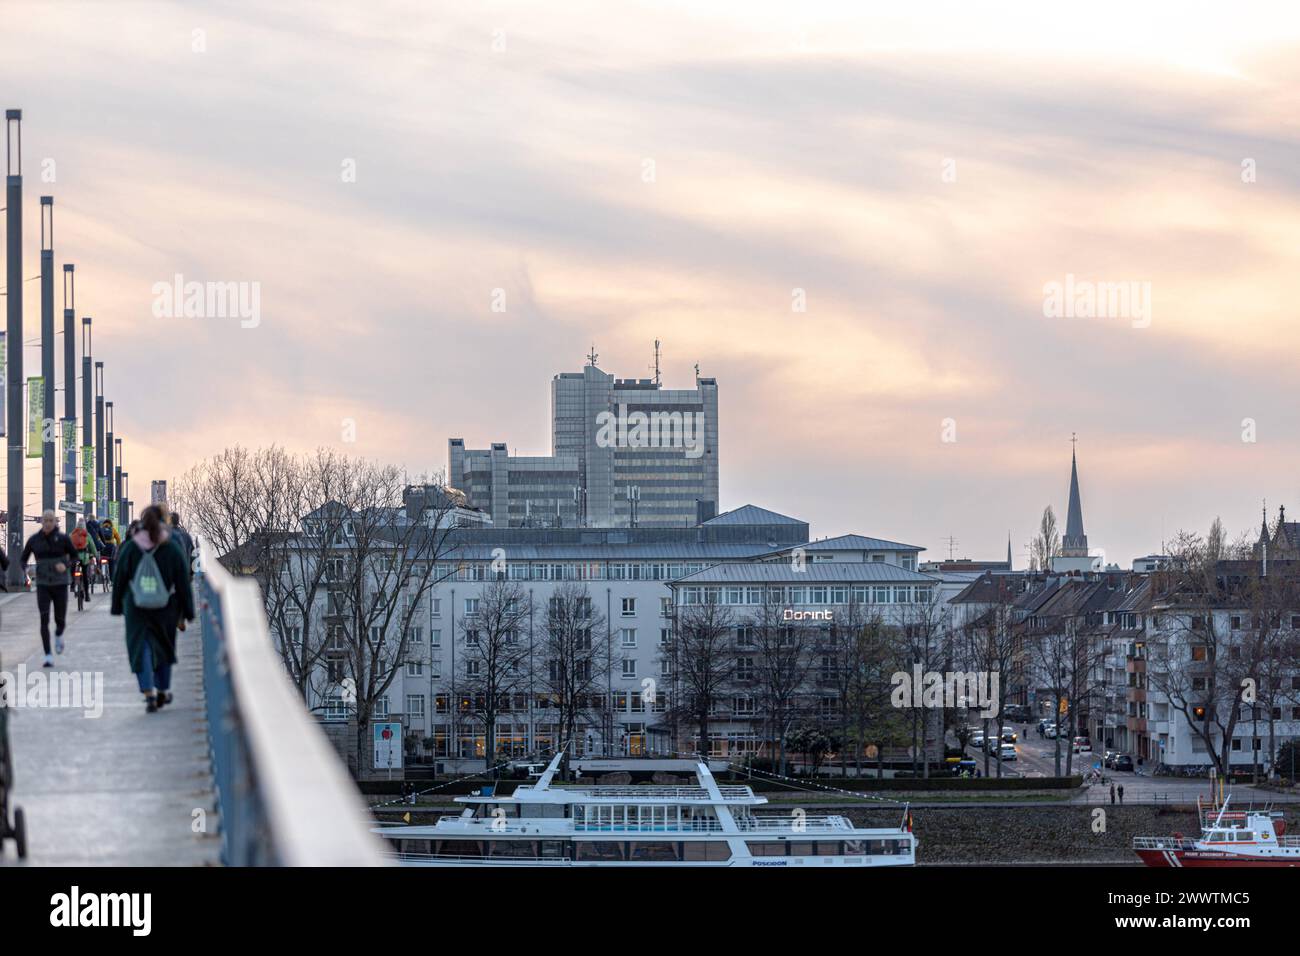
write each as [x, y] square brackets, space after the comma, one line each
[151, 586]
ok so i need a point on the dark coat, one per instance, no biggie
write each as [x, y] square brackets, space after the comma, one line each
[157, 626]
[50, 550]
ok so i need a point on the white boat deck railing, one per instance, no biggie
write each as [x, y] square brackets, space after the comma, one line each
[825, 823]
[812, 824]
[1162, 843]
[657, 794]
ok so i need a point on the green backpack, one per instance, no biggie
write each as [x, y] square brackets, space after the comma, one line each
[148, 590]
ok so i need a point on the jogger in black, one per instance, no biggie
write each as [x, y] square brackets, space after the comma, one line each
[56, 595]
[54, 555]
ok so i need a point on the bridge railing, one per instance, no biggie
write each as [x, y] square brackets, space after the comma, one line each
[284, 796]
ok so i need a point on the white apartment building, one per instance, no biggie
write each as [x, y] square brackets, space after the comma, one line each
[634, 577]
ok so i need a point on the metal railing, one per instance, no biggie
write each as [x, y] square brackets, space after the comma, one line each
[284, 796]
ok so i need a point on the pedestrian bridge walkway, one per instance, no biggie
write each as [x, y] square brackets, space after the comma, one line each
[234, 771]
[100, 780]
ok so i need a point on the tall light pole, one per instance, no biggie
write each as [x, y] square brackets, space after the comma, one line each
[108, 462]
[118, 496]
[99, 440]
[69, 431]
[87, 421]
[47, 354]
[14, 336]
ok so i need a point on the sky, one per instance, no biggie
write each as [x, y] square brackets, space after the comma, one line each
[916, 176]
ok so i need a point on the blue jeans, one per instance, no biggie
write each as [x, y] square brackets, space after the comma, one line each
[151, 677]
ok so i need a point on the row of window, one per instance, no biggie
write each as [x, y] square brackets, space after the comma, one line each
[815, 595]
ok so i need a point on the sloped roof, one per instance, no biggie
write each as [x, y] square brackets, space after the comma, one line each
[858, 542]
[751, 514]
[781, 572]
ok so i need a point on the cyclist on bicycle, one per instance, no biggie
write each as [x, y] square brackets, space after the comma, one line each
[112, 540]
[87, 553]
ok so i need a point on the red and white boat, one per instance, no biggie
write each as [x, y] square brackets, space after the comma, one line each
[1228, 838]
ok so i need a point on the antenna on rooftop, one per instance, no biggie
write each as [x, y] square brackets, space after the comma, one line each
[593, 356]
[952, 543]
[656, 366]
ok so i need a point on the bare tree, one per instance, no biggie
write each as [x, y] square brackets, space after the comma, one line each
[854, 663]
[783, 654]
[571, 672]
[701, 661]
[1047, 543]
[496, 658]
[924, 641]
[385, 563]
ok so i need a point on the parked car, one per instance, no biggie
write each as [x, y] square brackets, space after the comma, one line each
[1082, 745]
[1006, 752]
[1108, 758]
[977, 741]
[1122, 762]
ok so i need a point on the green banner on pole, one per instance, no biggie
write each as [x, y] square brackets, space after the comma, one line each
[88, 473]
[35, 416]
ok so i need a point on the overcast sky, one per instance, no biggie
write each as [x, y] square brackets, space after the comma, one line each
[627, 172]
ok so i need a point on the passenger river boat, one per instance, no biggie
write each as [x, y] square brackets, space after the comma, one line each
[643, 825]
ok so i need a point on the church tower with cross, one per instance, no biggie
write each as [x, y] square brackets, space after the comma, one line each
[1074, 554]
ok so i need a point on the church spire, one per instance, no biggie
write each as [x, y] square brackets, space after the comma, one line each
[1075, 542]
[1009, 565]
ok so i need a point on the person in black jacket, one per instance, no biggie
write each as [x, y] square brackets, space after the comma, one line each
[54, 555]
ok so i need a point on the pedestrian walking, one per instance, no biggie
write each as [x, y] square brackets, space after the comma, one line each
[179, 534]
[1121, 793]
[1112, 794]
[54, 555]
[151, 588]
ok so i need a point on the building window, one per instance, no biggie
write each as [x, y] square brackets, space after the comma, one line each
[665, 607]
[415, 705]
[627, 637]
[437, 606]
[629, 607]
[414, 669]
[629, 667]
[471, 606]
[335, 708]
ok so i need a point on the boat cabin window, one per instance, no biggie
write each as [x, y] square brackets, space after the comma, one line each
[1245, 836]
[827, 847]
[656, 851]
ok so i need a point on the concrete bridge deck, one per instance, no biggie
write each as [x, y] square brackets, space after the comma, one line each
[121, 788]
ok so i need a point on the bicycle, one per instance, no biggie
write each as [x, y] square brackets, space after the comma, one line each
[79, 584]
